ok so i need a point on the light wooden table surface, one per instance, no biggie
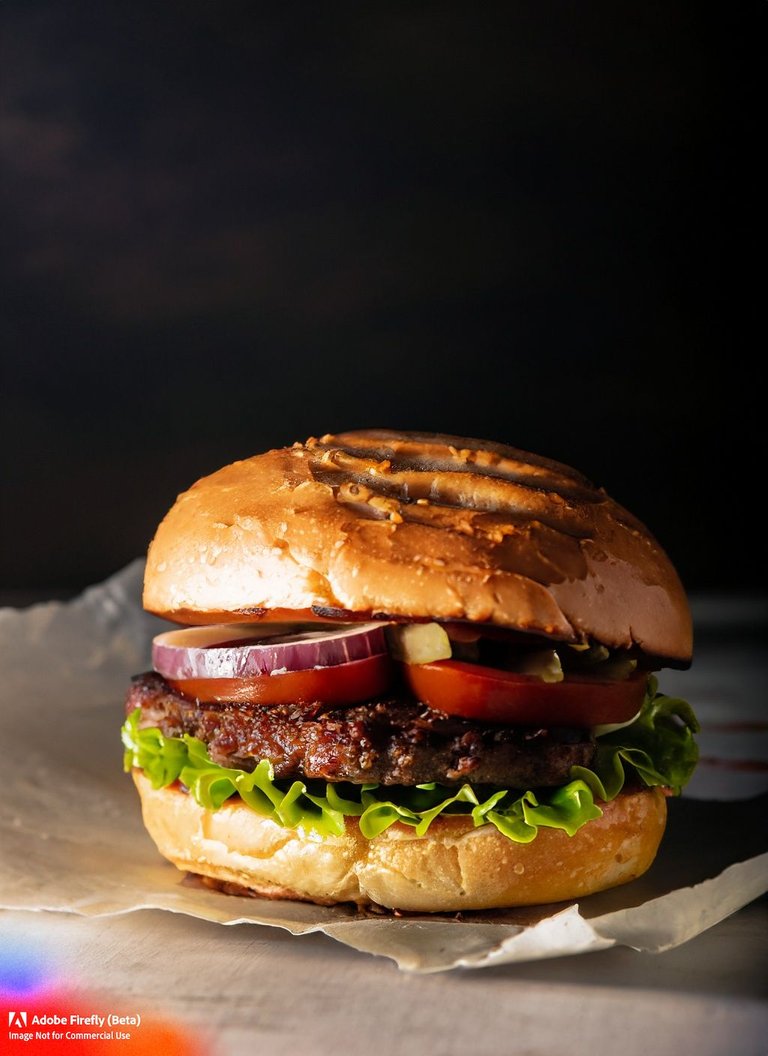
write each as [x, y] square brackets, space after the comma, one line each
[259, 990]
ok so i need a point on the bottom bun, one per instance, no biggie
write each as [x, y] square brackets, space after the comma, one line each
[453, 867]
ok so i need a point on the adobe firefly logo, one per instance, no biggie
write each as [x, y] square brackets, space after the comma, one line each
[17, 1019]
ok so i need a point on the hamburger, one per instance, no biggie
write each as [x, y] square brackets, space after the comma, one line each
[413, 670]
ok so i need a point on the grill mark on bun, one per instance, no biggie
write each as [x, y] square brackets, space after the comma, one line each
[462, 491]
[436, 456]
[379, 488]
[423, 447]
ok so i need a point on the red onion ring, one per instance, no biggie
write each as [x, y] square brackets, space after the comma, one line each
[225, 651]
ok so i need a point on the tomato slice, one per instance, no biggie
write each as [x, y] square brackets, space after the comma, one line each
[492, 695]
[339, 684]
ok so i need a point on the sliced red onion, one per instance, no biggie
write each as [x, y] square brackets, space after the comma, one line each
[226, 651]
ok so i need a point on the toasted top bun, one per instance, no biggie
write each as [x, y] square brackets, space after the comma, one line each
[417, 525]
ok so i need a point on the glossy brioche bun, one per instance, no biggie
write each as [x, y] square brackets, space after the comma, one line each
[417, 525]
[453, 867]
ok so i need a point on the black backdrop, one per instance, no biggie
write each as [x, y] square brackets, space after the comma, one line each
[231, 225]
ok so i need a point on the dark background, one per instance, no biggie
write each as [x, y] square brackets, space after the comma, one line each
[231, 225]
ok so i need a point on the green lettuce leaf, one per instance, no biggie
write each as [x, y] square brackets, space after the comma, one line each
[658, 748]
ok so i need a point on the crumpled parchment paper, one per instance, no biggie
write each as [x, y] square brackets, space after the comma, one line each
[72, 839]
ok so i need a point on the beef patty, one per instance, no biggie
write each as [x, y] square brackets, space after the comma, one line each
[386, 742]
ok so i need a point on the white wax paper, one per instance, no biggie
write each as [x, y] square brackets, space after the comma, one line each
[72, 839]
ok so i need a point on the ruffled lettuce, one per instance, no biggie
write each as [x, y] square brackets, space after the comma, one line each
[658, 749]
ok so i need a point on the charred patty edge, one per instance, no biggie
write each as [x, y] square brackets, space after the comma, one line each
[389, 741]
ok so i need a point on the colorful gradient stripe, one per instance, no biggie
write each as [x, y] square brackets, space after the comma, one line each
[30, 986]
